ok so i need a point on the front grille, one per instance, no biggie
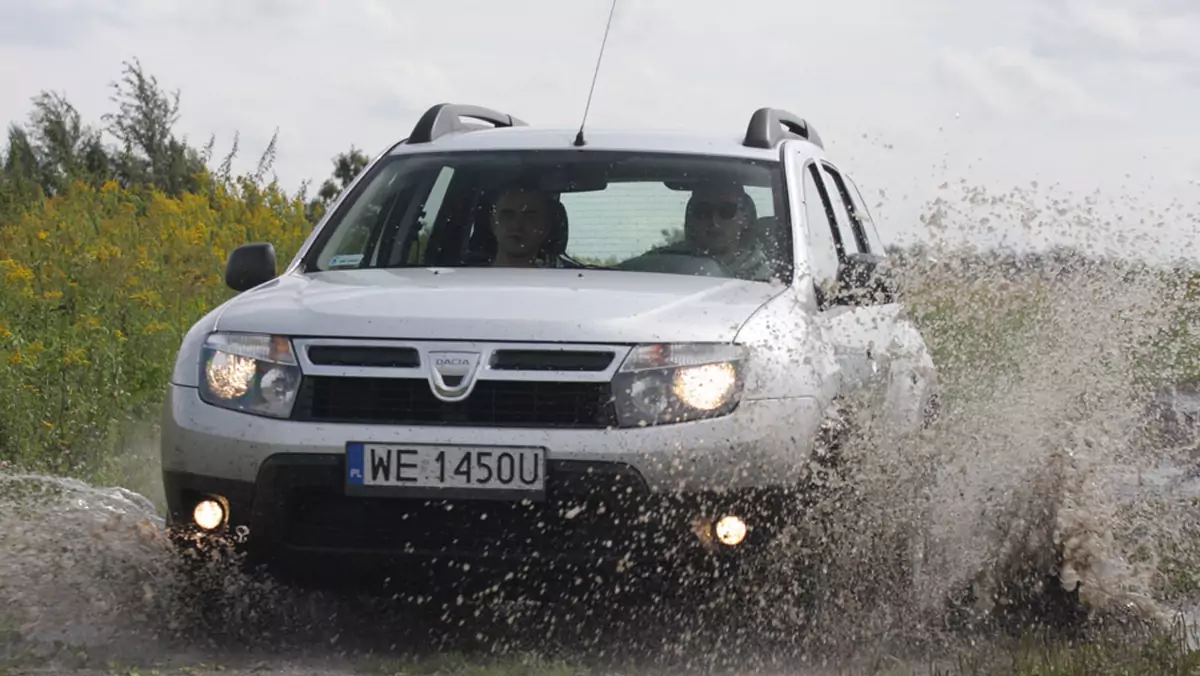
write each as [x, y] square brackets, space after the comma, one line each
[370, 356]
[493, 403]
[551, 360]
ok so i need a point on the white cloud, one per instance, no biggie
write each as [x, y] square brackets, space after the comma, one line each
[1013, 82]
[870, 74]
[1140, 28]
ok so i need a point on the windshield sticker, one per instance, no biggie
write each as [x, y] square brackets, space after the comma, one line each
[345, 260]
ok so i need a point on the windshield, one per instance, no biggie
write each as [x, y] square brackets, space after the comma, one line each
[668, 213]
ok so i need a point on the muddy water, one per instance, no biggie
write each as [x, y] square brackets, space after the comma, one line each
[1042, 493]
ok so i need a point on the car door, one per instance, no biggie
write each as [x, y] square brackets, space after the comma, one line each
[863, 330]
[903, 372]
[839, 323]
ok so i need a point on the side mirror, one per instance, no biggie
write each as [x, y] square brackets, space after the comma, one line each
[250, 265]
[866, 279]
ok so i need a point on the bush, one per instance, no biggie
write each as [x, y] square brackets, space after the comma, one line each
[100, 284]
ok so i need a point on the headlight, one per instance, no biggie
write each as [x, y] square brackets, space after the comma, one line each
[249, 372]
[662, 384]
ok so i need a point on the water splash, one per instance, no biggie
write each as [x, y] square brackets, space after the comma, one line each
[79, 565]
[1026, 502]
[1042, 483]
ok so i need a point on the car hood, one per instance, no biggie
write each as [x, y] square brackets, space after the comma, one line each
[490, 304]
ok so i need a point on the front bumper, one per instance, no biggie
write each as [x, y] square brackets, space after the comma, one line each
[612, 495]
[595, 514]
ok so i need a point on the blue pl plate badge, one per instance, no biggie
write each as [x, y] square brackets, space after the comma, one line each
[354, 464]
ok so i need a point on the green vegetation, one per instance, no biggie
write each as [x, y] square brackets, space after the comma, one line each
[1158, 656]
[108, 252]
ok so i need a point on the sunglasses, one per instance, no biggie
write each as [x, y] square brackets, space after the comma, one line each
[705, 210]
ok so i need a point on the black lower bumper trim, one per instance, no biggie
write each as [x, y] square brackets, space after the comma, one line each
[593, 513]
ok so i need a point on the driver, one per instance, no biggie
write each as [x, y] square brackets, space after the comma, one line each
[521, 223]
[719, 224]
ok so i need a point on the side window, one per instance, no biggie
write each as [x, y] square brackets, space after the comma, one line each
[381, 226]
[395, 229]
[354, 235]
[849, 233]
[822, 243]
[875, 244]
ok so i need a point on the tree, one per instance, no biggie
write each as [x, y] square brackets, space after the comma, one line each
[20, 180]
[135, 145]
[346, 166]
[63, 147]
[149, 152]
[55, 147]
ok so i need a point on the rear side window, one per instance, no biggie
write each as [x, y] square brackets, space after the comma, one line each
[822, 242]
[864, 216]
[849, 229]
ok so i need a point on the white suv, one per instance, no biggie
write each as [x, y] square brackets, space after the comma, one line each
[518, 344]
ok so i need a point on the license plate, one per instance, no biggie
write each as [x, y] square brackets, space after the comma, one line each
[445, 471]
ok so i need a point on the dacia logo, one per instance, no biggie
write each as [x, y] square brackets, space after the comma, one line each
[451, 374]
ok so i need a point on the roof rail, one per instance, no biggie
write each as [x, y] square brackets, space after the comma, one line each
[444, 119]
[764, 129]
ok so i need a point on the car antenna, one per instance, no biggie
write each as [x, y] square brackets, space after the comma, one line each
[579, 137]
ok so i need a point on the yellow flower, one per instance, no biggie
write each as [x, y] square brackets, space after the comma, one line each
[16, 272]
[43, 235]
[147, 298]
[88, 322]
[75, 356]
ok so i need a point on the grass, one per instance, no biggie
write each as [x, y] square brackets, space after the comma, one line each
[1157, 655]
[1154, 656]
[457, 664]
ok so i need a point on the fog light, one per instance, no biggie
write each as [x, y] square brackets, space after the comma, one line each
[208, 514]
[730, 530]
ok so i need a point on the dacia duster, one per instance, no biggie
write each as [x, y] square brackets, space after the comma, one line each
[511, 343]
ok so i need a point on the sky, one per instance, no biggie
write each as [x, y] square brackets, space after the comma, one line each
[933, 106]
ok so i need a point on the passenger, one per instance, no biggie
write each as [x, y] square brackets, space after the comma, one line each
[521, 222]
[719, 224]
